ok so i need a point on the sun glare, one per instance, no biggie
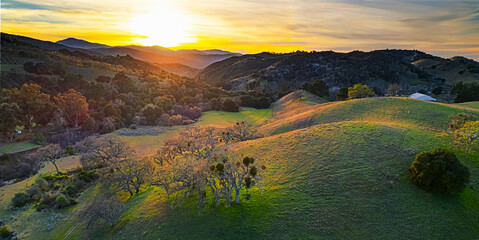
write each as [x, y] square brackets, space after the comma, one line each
[165, 25]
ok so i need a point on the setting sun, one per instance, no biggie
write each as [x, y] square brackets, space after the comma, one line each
[165, 25]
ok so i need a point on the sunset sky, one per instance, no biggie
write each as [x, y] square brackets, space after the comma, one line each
[445, 28]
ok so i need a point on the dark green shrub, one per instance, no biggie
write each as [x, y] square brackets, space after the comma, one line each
[5, 232]
[87, 176]
[20, 199]
[46, 202]
[439, 171]
[70, 190]
[62, 201]
[229, 106]
[34, 193]
[40, 138]
[342, 94]
[317, 87]
[247, 101]
[262, 102]
[133, 126]
[69, 150]
[6, 157]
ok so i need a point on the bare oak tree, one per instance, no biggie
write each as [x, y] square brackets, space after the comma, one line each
[51, 153]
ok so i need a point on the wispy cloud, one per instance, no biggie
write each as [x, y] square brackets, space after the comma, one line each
[445, 27]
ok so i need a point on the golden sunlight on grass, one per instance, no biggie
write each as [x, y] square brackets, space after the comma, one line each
[165, 25]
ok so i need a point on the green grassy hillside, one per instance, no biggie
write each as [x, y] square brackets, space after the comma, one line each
[324, 182]
[398, 111]
[326, 178]
[17, 147]
[330, 181]
[474, 105]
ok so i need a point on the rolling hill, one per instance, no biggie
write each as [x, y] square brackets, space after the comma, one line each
[393, 110]
[343, 175]
[330, 180]
[155, 54]
[78, 43]
[271, 72]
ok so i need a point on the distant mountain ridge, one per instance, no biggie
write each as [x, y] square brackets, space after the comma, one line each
[78, 43]
[156, 54]
[288, 71]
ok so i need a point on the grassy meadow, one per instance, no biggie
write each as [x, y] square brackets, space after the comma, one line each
[17, 147]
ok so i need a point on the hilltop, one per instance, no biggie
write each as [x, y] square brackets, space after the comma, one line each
[392, 110]
[79, 43]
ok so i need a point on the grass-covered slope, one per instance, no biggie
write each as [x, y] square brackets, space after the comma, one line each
[325, 179]
[322, 182]
[329, 180]
[474, 105]
[17, 147]
[399, 111]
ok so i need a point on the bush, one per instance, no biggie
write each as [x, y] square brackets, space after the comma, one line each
[342, 94]
[175, 120]
[215, 104]
[62, 201]
[20, 199]
[47, 201]
[70, 190]
[87, 176]
[5, 232]
[34, 193]
[317, 87]
[229, 105]
[40, 139]
[69, 150]
[90, 124]
[151, 113]
[457, 121]
[439, 171]
[61, 176]
[262, 102]
[247, 101]
[133, 126]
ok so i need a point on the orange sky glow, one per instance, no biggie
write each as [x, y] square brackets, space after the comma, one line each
[443, 27]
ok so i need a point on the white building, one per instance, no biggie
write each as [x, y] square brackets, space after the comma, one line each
[421, 96]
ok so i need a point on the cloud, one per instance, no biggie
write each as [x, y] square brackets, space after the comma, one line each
[445, 27]
[12, 4]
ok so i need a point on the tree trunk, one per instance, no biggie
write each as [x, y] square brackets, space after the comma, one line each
[237, 198]
[54, 164]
